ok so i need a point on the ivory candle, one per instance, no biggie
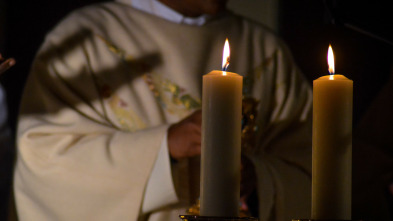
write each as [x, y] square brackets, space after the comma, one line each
[221, 140]
[332, 146]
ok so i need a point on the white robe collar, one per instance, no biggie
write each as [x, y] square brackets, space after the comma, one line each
[157, 8]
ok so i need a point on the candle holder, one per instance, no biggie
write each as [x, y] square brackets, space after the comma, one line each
[215, 218]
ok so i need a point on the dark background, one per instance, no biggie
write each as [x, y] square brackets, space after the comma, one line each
[308, 26]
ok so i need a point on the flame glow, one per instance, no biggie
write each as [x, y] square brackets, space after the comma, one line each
[225, 56]
[330, 59]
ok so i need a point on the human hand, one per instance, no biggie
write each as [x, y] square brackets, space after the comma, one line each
[6, 64]
[184, 137]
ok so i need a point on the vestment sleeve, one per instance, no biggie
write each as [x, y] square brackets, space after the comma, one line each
[160, 190]
[72, 152]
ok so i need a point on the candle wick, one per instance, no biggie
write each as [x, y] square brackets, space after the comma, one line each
[331, 74]
[225, 67]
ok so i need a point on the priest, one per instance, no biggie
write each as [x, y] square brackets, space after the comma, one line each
[109, 127]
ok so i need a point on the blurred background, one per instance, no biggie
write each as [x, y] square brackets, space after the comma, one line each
[360, 33]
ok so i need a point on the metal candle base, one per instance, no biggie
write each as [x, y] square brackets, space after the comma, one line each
[215, 218]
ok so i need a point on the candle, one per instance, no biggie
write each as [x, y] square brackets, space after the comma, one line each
[332, 146]
[221, 140]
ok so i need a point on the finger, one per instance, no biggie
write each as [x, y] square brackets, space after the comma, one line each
[196, 129]
[6, 65]
[195, 135]
[194, 150]
[196, 117]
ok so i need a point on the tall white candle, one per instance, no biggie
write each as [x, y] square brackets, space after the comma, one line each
[221, 140]
[332, 146]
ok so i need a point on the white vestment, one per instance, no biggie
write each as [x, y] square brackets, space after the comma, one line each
[105, 86]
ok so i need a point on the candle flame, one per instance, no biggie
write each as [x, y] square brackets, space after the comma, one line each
[330, 59]
[225, 56]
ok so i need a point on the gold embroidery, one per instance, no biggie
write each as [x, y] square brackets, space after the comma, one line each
[170, 96]
[128, 120]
